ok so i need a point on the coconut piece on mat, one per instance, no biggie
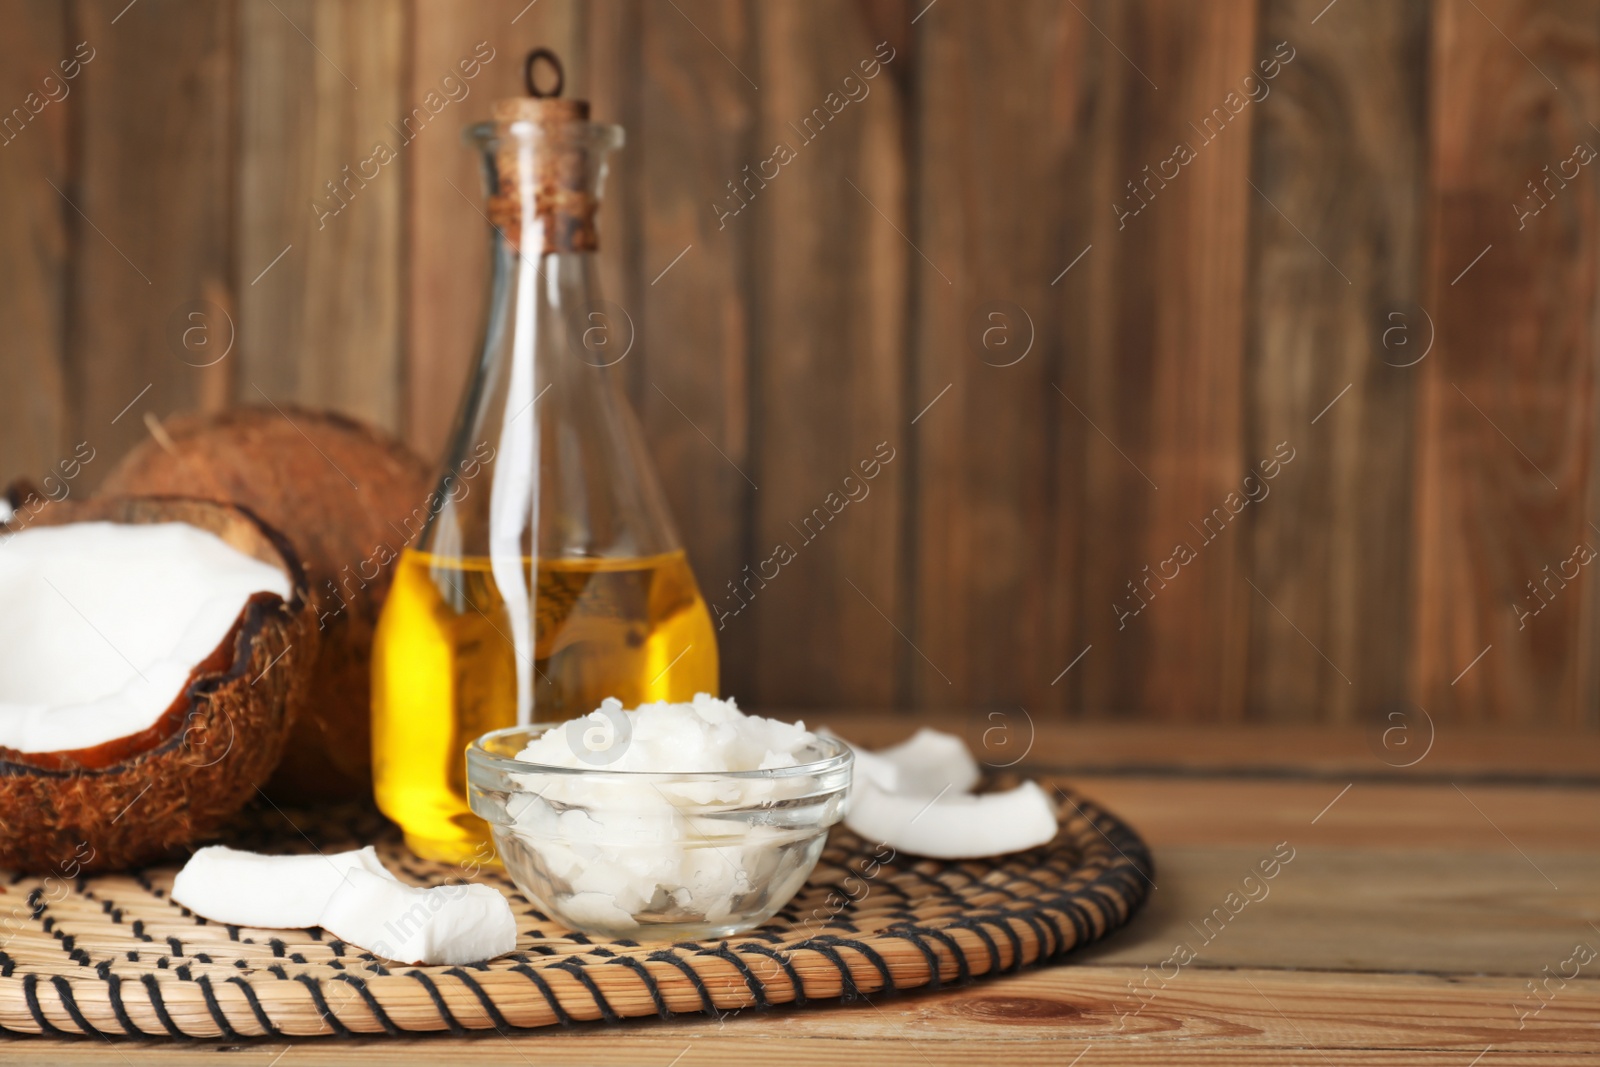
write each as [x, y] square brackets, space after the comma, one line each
[869, 765]
[447, 924]
[931, 762]
[954, 826]
[270, 892]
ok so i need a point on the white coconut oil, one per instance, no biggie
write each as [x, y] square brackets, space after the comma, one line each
[680, 818]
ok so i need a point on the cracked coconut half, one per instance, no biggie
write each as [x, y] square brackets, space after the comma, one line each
[153, 654]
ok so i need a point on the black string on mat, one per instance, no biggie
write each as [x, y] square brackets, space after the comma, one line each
[651, 986]
[929, 956]
[215, 1008]
[30, 993]
[784, 963]
[450, 1021]
[118, 1008]
[708, 1004]
[576, 969]
[751, 982]
[497, 1020]
[544, 988]
[153, 987]
[360, 986]
[254, 1001]
[1034, 906]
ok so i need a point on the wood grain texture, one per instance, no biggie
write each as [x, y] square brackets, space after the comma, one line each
[446, 230]
[830, 320]
[1003, 135]
[1167, 278]
[1028, 1026]
[695, 124]
[607, 72]
[1507, 423]
[33, 224]
[1412, 815]
[152, 207]
[1504, 754]
[1336, 906]
[1019, 525]
[321, 161]
[1339, 173]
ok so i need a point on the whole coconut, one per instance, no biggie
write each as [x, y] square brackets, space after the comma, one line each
[349, 498]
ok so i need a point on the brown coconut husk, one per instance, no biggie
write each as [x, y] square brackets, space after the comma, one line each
[137, 799]
[350, 499]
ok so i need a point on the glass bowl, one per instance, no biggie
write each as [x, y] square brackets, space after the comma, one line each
[656, 856]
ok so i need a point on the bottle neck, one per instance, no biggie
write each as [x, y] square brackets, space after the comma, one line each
[545, 175]
[547, 459]
[550, 312]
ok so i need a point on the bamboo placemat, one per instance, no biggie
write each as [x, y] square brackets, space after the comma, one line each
[112, 955]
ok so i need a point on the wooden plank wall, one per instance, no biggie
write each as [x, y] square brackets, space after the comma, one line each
[1210, 395]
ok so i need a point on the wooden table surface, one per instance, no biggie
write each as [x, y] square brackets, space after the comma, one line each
[1446, 912]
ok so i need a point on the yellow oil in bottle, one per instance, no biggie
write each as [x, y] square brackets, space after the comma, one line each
[444, 670]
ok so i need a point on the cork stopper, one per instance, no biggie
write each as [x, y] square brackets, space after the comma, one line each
[557, 152]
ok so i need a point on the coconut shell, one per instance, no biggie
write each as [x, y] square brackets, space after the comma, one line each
[350, 499]
[137, 799]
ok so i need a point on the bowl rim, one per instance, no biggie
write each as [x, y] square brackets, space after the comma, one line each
[477, 755]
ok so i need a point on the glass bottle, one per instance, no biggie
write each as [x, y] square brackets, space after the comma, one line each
[546, 473]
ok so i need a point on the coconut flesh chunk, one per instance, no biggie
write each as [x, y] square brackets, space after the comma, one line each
[868, 765]
[105, 622]
[353, 897]
[916, 797]
[931, 762]
[447, 924]
[955, 826]
[268, 892]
